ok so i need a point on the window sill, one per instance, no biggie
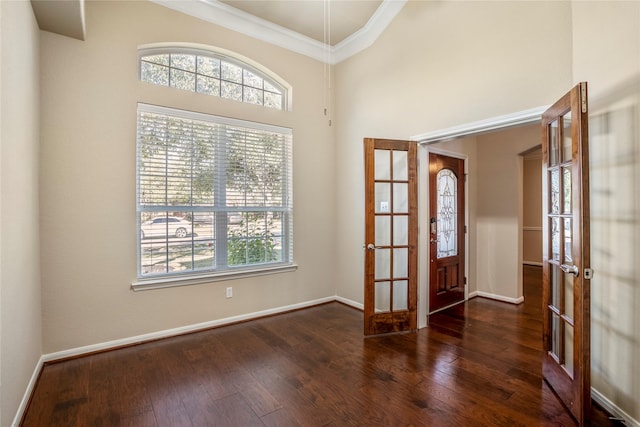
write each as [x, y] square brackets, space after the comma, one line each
[194, 279]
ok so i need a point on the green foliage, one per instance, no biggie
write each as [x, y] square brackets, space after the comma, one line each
[185, 165]
[178, 160]
[253, 247]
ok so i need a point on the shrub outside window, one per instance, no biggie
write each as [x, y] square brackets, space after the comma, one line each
[213, 194]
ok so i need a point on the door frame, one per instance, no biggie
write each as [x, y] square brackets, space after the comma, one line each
[423, 243]
[426, 142]
[533, 115]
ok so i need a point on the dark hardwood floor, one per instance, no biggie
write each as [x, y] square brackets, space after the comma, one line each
[477, 364]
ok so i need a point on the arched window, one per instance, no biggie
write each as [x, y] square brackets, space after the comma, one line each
[214, 194]
[212, 73]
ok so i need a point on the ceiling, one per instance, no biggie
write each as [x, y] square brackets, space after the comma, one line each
[300, 25]
[327, 30]
[60, 17]
[325, 21]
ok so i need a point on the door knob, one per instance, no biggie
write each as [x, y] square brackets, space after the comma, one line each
[572, 269]
[372, 247]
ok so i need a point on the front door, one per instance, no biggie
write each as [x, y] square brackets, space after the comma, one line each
[391, 233]
[565, 251]
[446, 231]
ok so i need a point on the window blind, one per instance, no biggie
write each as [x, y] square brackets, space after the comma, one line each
[213, 193]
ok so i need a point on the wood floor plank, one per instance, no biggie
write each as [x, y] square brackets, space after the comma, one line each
[233, 411]
[261, 401]
[167, 403]
[477, 364]
[297, 404]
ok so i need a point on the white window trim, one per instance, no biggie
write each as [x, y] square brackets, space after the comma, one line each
[201, 49]
[193, 115]
[195, 279]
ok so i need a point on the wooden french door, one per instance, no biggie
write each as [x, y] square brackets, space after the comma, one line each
[565, 250]
[446, 231]
[391, 233]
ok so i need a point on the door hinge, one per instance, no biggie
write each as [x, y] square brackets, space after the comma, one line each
[465, 281]
[465, 229]
[583, 96]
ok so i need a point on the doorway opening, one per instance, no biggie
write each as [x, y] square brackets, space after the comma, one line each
[532, 206]
[495, 219]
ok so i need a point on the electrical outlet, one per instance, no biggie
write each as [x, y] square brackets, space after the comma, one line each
[229, 293]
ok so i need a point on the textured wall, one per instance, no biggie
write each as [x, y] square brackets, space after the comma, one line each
[89, 95]
[441, 64]
[20, 309]
[606, 54]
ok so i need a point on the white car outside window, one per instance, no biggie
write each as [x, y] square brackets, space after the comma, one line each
[165, 226]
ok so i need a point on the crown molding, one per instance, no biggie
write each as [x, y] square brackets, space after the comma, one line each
[365, 36]
[222, 14]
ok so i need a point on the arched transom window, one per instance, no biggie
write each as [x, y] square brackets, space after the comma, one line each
[211, 73]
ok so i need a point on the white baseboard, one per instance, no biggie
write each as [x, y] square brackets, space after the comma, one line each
[179, 331]
[613, 409]
[497, 297]
[350, 303]
[79, 351]
[27, 394]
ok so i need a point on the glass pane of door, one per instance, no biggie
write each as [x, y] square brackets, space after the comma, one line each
[568, 349]
[566, 189]
[447, 208]
[382, 300]
[555, 335]
[400, 295]
[400, 198]
[400, 166]
[554, 283]
[383, 264]
[383, 197]
[400, 262]
[568, 259]
[554, 191]
[553, 143]
[568, 295]
[382, 164]
[400, 230]
[555, 239]
[566, 137]
[383, 230]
